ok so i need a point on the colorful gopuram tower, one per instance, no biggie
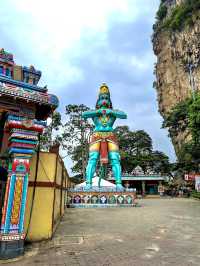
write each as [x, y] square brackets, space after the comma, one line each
[24, 107]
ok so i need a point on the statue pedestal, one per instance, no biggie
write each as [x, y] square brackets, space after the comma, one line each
[100, 197]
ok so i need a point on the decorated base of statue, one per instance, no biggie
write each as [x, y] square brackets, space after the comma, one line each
[104, 196]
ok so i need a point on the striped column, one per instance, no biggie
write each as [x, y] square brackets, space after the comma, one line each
[23, 140]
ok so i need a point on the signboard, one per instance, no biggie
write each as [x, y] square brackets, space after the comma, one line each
[161, 189]
[190, 177]
[197, 183]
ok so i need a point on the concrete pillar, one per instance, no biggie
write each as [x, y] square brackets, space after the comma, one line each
[23, 139]
[127, 185]
[143, 187]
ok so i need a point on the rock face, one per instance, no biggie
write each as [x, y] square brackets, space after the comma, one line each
[178, 64]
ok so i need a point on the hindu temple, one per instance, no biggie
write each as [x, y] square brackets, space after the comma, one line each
[24, 108]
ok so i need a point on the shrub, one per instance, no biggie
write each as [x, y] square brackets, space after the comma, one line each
[185, 117]
[162, 12]
[178, 119]
[180, 17]
[196, 194]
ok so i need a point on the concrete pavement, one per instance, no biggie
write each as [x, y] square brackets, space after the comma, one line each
[161, 232]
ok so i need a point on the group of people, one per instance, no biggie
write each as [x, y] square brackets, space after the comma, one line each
[179, 192]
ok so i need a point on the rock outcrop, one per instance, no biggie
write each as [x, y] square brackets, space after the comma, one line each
[178, 62]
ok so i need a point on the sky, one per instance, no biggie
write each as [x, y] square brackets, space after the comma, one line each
[79, 44]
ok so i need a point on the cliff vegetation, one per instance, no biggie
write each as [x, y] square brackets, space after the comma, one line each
[176, 44]
[185, 116]
[178, 17]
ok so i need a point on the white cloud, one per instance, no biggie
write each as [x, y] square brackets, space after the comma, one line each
[49, 32]
[71, 42]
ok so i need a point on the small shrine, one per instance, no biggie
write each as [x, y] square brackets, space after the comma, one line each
[24, 107]
[143, 183]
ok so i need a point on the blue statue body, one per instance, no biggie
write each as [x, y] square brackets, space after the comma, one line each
[104, 145]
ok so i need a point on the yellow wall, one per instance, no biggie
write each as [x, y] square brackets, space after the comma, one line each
[41, 219]
[46, 169]
[47, 202]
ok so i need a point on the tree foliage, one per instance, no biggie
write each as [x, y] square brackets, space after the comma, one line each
[194, 119]
[181, 15]
[186, 116]
[178, 119]
[162, 12]
[50, 135]
[136, 149]
[75, 137]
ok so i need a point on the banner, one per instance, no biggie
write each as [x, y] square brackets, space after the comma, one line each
[197, 183]
[190, 177]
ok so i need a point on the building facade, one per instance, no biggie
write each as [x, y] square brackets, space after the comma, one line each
[144, 183]
[24, 107]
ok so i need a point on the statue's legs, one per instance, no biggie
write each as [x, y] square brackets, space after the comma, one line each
[92, 163]
[114, 158]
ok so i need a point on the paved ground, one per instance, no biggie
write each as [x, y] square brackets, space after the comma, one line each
[162, 232]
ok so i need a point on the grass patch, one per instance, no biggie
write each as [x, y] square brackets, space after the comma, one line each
[196, 194]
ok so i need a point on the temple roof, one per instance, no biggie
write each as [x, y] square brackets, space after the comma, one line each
[28, 95]
[20, 82]
[6, 57]
[95, 183]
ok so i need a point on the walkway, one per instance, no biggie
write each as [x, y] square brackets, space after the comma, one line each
[162, 232]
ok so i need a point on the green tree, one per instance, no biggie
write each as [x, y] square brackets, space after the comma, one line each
[185, 116]
[136, 149]
[180, 16]
[143, 143]
[178, 119]
[75, 137]
[51, 134]
[133, 142]
[160, 162]
[162, 12]
[194, 119]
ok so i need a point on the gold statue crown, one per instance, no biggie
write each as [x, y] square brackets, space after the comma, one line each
[104, 89]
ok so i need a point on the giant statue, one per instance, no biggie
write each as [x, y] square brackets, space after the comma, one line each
[103, 143]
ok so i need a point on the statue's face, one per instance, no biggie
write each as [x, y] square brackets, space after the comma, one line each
[104, 101]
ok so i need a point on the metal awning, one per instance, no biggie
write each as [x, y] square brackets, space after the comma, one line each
[142, 178]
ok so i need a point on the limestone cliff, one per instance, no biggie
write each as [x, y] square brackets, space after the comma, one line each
[176, 44]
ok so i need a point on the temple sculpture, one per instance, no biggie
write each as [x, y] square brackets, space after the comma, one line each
[103, 144]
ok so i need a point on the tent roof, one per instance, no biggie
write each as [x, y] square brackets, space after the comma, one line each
[95, 183]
